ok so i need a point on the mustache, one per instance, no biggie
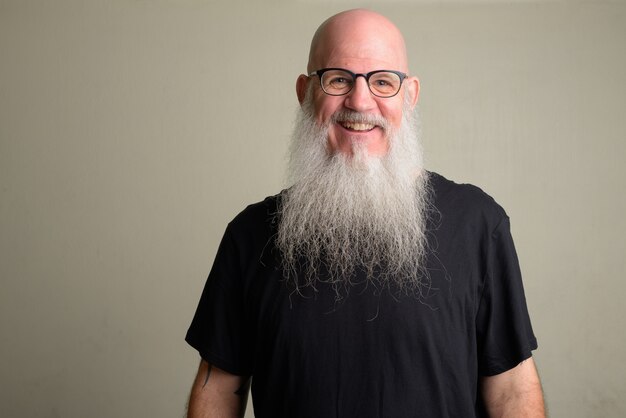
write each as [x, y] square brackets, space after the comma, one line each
[358, 117]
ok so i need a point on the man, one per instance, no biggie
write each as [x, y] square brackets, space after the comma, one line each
[370, 287]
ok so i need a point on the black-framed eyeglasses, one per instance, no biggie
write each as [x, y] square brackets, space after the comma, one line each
[339, 81]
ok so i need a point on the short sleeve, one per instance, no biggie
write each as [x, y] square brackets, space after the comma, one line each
[218, 330]
[504, 332]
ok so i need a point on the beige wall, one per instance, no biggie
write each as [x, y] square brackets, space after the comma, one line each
[131, 132]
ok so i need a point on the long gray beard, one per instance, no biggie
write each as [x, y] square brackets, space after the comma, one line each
[360, 212]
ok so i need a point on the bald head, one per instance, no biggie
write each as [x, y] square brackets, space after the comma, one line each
[360, 42]
[357, 35]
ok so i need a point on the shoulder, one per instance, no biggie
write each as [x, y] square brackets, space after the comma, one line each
[463, 202]
[256, 219]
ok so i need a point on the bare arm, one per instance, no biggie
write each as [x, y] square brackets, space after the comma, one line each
[515, 393]
[216, 393]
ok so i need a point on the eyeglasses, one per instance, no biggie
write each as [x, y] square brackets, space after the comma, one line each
[338, 81]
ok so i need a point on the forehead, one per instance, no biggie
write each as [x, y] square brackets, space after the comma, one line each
[361, 55]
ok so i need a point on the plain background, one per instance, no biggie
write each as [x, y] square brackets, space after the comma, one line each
[131, 132]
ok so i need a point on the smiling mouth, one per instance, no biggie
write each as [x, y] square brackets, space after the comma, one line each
[357, 127]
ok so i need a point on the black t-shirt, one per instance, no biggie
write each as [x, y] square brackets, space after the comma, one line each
[373, 353]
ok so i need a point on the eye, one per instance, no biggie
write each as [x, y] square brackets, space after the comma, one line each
[384, 80]
[338, 81]
[382, 83]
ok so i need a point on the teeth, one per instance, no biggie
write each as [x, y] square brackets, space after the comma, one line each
[358, 126]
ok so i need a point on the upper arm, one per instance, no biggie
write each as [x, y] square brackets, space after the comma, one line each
[514, 393]
[217, 393]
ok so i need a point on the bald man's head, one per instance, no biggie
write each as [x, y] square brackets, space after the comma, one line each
[346, 50]
[359, 195]
[357, 33]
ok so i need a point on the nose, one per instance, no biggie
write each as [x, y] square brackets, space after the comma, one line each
[360, 98]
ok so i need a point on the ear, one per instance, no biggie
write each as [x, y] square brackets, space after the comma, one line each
[413, 90]
[301, 86]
